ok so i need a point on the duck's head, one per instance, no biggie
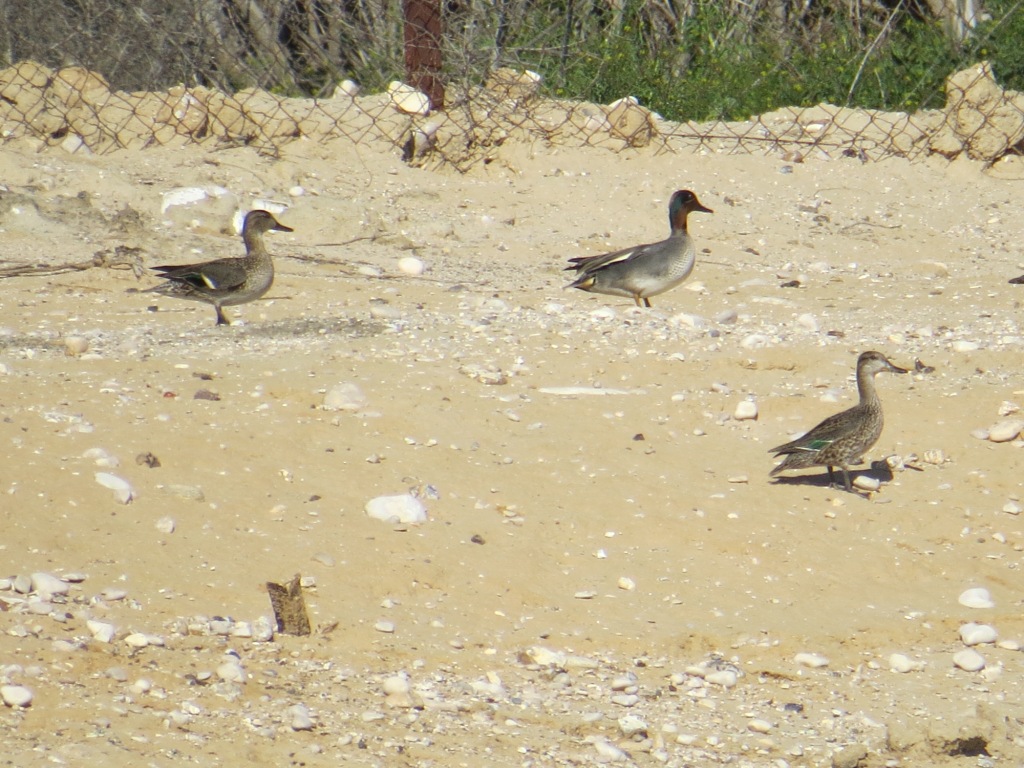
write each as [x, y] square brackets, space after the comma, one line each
[683, 202]
[870, 363]
[262, 221]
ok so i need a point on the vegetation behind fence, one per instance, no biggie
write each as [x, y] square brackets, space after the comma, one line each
[265, 71]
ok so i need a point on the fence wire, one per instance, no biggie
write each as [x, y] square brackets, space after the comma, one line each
[69, 86]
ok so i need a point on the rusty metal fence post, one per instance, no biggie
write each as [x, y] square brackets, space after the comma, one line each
[423, 48]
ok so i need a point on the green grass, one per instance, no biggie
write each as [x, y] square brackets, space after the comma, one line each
[722, 71]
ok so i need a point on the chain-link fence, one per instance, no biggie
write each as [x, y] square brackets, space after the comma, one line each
[93, 76]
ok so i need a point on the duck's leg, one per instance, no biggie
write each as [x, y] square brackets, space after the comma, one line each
[636, 299]
[647, 302]
[222, 319]
[846, 477]
[831, 477]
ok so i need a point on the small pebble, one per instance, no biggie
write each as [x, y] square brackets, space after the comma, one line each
[812, 660]
[969, 660]
[102, 631]
[631, 725]
[346, 396]
[16, 695]
[47, 585]
[866, 483]
[166, 525]
[300, 718]
[404, 508]
[746, 410]
[808, 322]
[122, 489]
[849, 757]
[626, 584]
[396, 684]
[388, 627]
[978, 634]
[723, 677]
[75, 345]
[976, 597]
[231, 672]
[899, 662]
[1005, 431]
[410, 265]
[1012, 508]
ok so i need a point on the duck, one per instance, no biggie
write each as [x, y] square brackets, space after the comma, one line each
[842, 439]
[226, 282]
[647, 270]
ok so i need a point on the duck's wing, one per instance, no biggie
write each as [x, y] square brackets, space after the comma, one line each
[821, 436]
[220, 275]
[588, 264]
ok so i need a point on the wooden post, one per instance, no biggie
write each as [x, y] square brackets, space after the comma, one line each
[423, 48]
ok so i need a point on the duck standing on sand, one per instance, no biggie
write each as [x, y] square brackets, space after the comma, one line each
[842, 439]
[644, 270]
[226, 282]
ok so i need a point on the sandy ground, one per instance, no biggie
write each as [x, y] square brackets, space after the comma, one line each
[591, 560]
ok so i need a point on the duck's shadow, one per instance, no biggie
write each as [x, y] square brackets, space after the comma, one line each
[879, 470]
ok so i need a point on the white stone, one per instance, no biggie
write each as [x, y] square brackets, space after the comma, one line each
[190, 196]
[346, 396]
[300, 718]
[546, 657]
[347, 88]
[137, 640]
[102, 631]
[16, 695]
[626, 583]
[410, 265]
[808, 322]
[746, 410]
[407, 99]
[757, 725]
[166, 525]
[631, 725]
[755, 341]
[396, 684]
[1012, 508]
[263, 629]
[75, 345]
[969, 660]
[723, 677]
[122, 489]
[609, 753]
[387, 627]
[965, 346]
[978, 634]
[46, 585]
[976, 597]
[812, 660]
[231, 672]
[74, 143]
[899, 662]
[403, 508]
[866, 483]
[1005, 431]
